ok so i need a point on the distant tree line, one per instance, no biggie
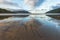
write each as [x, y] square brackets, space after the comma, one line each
[23, 11]
[55, 11]
[8, 11]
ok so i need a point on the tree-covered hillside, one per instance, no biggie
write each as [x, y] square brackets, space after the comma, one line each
[55, 11]
[13, 12]
[4, 11]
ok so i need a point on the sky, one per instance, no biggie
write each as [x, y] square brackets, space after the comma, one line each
[30, 5]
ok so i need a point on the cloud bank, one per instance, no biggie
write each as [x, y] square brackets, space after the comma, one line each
[8, 4]
[41, 5]
[33, 3]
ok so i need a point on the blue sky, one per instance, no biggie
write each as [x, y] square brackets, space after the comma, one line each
[44, 5]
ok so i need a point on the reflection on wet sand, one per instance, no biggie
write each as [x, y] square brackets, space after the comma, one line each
[31, 29]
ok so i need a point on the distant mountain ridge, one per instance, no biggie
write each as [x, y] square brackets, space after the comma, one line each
[55, 11]
[13, 12]
[4, 11]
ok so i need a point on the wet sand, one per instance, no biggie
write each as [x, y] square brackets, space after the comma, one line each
[29, 30]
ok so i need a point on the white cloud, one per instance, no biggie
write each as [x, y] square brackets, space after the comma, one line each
[1, 1]
[9, 0]
[31, 3]
[5, 0]
[8, 4]
[47, 5]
